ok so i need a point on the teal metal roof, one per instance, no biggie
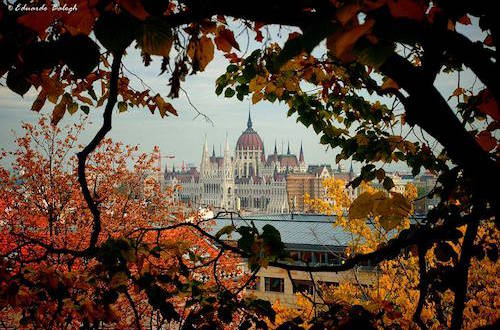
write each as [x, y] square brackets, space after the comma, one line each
[304, 232]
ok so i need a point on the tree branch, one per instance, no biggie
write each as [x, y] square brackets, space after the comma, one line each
[460, 144]
[83, 155]
[463, 276]
[423, 285]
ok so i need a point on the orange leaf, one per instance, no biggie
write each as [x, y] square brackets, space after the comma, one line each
[40, 101]
[342, 43]
[486, 141]
[256, 97]
[411, 9]
[458, 91]
[347, 12]
[204, 52]
[389, 84]
[58, 112]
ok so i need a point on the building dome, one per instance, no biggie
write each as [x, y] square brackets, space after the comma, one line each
[249, 139]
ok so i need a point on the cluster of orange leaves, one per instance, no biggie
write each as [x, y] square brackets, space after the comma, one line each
[42, 208]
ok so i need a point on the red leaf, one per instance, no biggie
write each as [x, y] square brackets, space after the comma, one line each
[259, 37]
[488, 41]
[39, 21]
[81, 20]
[225, 41]
[488, 104]
[486, 141]
[465, 20]
[412, 9]
[135, 8]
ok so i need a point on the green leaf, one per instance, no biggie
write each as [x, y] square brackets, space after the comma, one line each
[85, 109]
[17, 82]
[72, 108]
[91, 92]
[444, 252]
[232, 68]
[388, 183]
[229, 92]
[122, 106]
[226, 230]
[80, 53]
[156, 38]
[247, 238]
[116, 32]
[272, 240]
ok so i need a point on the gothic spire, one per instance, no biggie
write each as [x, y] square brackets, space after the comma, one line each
[275, 149]
[301, 156]
[249, 122]
[288, 150]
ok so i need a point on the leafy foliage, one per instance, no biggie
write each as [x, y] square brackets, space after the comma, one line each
[371, 93]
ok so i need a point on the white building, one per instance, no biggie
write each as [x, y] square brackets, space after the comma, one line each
[256, 182]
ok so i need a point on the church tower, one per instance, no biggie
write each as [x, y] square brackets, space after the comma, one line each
[228, 200]
[205, 161]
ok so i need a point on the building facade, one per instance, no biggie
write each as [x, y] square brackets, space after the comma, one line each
[247, 180]
[251, 181]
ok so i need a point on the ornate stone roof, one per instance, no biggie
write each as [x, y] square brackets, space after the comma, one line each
[249, 139]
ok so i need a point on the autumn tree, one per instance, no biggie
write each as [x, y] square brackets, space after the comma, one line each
[140, 274]
[370, 92]
[394, 291]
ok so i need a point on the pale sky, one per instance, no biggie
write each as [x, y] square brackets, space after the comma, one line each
[183, 136]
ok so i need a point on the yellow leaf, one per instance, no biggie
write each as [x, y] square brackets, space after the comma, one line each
[164, 107]
[156, 39]
[270, 88]
[390, 222]
[361, 207]
[401, 204]
[291, 85]
[256, 97]
[257, 83]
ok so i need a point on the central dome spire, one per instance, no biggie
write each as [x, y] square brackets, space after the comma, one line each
[249, 139]
[249, 122]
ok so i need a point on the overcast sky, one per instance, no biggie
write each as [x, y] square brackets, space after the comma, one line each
[183, 136]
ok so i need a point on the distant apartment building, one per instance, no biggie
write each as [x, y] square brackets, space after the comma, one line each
[310, 240]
